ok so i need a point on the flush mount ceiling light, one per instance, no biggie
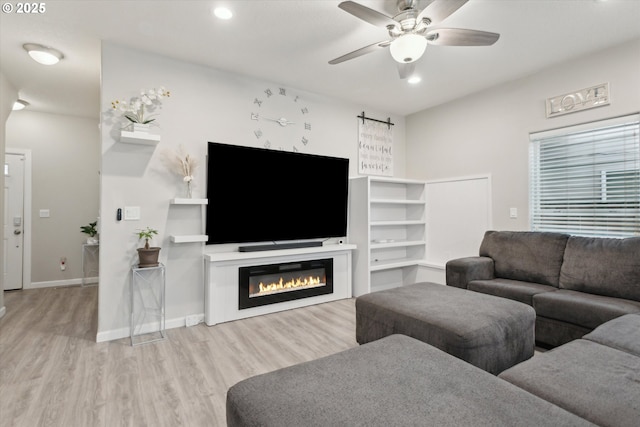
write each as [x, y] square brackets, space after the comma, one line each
[408, 48]
[222, 13]
[43, 54]
[20, 105]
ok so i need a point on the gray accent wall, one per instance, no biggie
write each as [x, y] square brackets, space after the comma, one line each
[488, 133]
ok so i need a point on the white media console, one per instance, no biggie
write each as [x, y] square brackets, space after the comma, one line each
[222, 278]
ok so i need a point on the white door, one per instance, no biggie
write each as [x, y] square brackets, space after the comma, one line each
[13, 220]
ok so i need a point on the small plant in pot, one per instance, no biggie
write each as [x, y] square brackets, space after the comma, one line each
[92, 231]
[147, 256]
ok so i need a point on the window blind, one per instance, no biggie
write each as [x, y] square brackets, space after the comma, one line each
[585, 180]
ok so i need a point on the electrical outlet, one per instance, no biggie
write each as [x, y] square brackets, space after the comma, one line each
[192, 320]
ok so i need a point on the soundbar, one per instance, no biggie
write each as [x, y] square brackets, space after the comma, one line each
[279, 246]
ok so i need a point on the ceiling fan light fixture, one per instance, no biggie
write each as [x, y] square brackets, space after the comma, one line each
[20, 104]
[408, 48]
[43, 54]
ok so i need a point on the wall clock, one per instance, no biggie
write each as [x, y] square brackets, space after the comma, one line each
[281, 120]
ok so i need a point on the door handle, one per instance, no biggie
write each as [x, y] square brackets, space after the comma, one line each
[16, 232]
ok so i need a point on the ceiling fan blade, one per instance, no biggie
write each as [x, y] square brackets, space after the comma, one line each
[439, 10]
[360, 52]
[406, 69]
[461, 37]
[366, 14]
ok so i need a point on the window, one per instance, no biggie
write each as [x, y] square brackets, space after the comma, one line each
[585, 179]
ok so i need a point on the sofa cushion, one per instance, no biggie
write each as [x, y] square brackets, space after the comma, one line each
[527, 256]
[394, 381]
[512, 289]
[622, 333]
[586, 310]
[596, 382]
[554, 333]
[602, 266]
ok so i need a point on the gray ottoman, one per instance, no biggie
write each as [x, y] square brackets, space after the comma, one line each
[395, 381]
[489, 332]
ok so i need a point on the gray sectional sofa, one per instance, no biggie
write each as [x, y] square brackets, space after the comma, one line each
[574, 283]
[576, 286]
[596, 377]
[400, 381]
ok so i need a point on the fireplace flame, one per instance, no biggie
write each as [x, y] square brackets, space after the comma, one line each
[282, 286]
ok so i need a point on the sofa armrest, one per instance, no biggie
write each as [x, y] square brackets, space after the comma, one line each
[463, 270]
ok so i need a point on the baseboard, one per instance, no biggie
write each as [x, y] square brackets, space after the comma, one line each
[431, 272]
[178, 322]
[3, 311]
[59, 283]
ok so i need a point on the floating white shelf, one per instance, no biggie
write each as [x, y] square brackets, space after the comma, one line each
[190, 239]
[139, 138]
[185, 201]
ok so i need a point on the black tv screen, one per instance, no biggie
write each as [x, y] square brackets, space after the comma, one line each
[261, 195]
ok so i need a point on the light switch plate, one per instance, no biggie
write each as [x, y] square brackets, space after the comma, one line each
[131, 213]
[45, 213]
[513, 212]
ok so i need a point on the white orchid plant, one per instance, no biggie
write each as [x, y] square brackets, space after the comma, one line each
[137, 108]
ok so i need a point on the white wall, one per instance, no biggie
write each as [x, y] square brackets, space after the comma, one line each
[205, 105]
[65, 179]
[9, 96]
[488, 133]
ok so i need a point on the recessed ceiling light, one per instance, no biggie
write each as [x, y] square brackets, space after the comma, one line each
[20, 105]
[414, 80]
[43, 54]
[222, 13]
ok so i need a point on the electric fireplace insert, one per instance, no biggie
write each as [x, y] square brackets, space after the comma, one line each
[274, 283]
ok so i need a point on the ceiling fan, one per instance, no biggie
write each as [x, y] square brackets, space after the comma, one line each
[412, 29]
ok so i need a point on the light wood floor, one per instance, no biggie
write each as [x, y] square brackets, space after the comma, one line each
[53, 373]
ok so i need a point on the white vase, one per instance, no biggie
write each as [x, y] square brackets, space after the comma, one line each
[140, 127]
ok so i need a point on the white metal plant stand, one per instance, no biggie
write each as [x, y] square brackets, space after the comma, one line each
[147, 304]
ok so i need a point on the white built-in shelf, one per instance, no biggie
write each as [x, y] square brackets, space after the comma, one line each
[397, 244]
[195, 238]
[139, 138]
[396, 223]
[388, 223]
[391, 264]
[397, 202]
[185, 201]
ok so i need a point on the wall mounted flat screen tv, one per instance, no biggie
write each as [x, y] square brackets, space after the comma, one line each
[261, 195]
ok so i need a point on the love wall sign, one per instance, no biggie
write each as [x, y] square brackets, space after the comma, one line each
[585, 99]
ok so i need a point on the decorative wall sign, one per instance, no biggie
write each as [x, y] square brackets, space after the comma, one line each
[375, 147]
[282, 120]
[592, 97]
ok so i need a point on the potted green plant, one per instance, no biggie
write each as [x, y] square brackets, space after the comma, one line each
[92, 231]
[147, 255]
